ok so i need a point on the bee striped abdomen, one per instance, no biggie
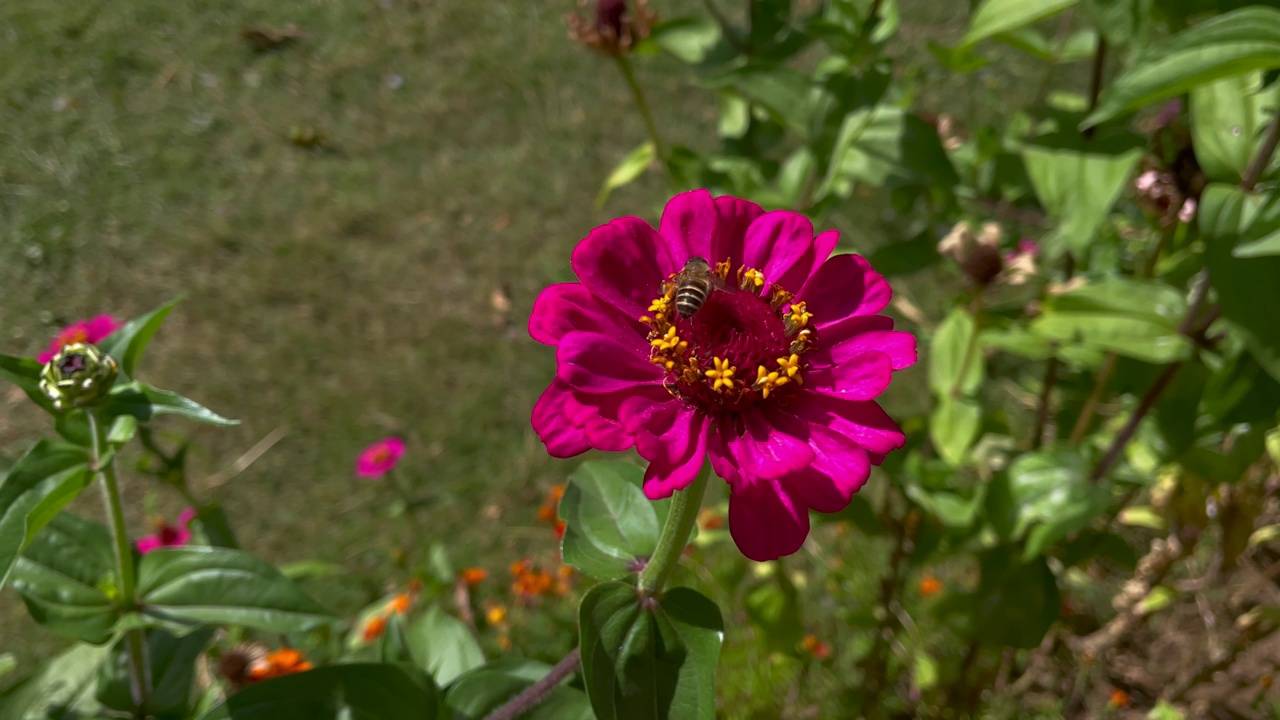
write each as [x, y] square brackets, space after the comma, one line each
[690, 296]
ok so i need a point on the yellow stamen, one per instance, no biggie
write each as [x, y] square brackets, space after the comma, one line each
[722, 268]
[779, 297]
[767, 381]
[797, 318]
[750, 279]
[722, 374]
[802, 342]
[790, 368]
[659, 305]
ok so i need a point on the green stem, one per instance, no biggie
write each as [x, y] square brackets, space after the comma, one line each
[675, 535]
[138, 681]
[642, 105]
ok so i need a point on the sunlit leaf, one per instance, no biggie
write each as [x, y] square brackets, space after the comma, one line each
[48, 477]
[1224, 46]
[1228, 120]
[649, 659]
[128, 343]
[442, 646]
[1078, 181]
[223, 586]
[609, 523]
[65, 576]
[631, 167]
[1001, 16]
[954, 427]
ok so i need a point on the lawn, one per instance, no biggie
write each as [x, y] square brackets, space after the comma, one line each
[357, 223]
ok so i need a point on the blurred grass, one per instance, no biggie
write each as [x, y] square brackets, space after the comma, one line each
[347, 292]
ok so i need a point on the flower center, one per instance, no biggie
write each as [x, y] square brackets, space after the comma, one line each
[168, 534]
[737, 348]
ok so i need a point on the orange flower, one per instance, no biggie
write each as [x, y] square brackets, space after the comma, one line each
[816, 647]
[531, 581]
[374, 628]
[496, 614]
[473, 576]
[400, 603]
[284, 661]
[520, 567]
[1119, 699]
[709, 519]
[557, 529]
[930, 586]
[548, 511]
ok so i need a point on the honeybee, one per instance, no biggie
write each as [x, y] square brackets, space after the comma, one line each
[693, 284]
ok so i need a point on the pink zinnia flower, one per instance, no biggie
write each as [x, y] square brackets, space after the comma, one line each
[380, 458]
[92, 331]
[169, 535]
[774, 377]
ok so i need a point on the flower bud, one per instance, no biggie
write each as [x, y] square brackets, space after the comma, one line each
[616, 26]
[80, 375]
[977, 254]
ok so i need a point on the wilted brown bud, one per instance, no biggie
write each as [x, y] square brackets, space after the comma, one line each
[977, 254]
[616, 27]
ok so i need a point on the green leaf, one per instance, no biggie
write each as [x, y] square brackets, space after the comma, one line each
[609, 523]
[1052, 497]
[61, 688]
[43, 481]
[1245, 286]
[356, 691]
[885, 143]
[172, 662]
[950, 509]
[1224, 46]
[8, 663]
[65, 576]
[1228, 119]
[1133, 318]
[481, 691]
[225, 587]
[924, 670]
[689, 40]
[144, 402]
[631, 167]
[953, 427]
[1017, 601]
[778, 89]
[955, 362]
[649, 660]
[25, 373]
[1001, 16]
[1120, 21]
[127, 344]
[1078, 181]
[441, 645]
[1165, 710]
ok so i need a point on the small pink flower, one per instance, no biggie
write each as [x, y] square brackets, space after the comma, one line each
[1188, 211]
[169, 535]
[94, 330]
[774, 377]
[380, 458]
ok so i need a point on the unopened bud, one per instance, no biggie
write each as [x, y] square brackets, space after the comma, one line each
[618, 25]
[80, 375]
[977, 254]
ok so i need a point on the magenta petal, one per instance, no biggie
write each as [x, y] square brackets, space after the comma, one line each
[841, 469]
[688, 443]
[185, 517]
[865, 423]
[736, 216]
[763, 450]
[766, 521]
[625, 263]
[98, 328]
[593, 363]
[46, 356]
[688, 226]
[776, 242]
[845, 285]
[148, 544]
[856, 335]
[722, 460]
[562, 438]
[565, 307]
[861, 378]
[597, 415]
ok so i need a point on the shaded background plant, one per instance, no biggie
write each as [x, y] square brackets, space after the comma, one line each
[1088, 470]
